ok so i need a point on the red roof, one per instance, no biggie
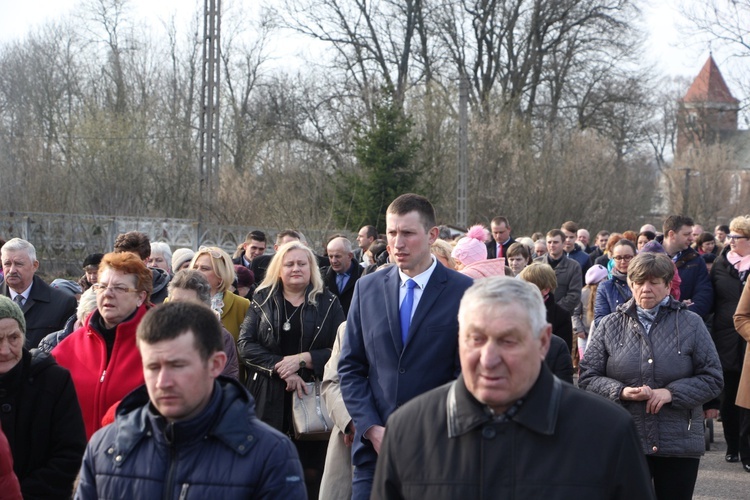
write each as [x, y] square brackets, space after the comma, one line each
[709, 86]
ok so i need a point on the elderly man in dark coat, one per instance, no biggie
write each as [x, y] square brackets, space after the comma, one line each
[45, 309]
[40, 413]
[506, 427]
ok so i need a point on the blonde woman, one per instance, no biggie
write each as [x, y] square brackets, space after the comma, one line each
[216, 265]
[286, 340]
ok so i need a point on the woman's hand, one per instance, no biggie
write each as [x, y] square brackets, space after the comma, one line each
[659, 397]
[288, 366]
[642, 393]
[295, 383]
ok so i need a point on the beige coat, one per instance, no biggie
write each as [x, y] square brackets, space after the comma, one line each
[337, 473]
[742, 325]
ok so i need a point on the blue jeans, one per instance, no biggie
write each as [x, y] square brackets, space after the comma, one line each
[362, 481]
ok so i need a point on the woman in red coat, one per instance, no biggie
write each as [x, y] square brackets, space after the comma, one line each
[102, 355]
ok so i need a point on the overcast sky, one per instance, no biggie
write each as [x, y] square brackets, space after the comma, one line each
[661, 18]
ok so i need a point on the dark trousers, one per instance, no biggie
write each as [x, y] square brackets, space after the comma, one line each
[674, 477]
[731, 417]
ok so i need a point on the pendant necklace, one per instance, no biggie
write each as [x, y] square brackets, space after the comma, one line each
[287, 325]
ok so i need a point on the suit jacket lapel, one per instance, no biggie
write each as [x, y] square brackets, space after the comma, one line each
[432, 291]
[391, 285]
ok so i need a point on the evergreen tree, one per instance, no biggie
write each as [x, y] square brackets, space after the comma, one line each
[385, 156]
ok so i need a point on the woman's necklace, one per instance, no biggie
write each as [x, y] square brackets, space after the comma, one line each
[287, 325]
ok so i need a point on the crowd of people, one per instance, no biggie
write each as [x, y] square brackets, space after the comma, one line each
[437, 367]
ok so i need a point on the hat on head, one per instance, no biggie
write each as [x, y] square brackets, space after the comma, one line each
[245, 276]
[653, 246]
[67, 286]
[92, 259]
[9, 309]
[596, 274]
[471, 248]
[180, 256]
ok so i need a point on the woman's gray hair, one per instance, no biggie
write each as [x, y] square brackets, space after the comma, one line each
[190, 279]
[86, 305]
[489, 293]
[162, 248]
[647, 266]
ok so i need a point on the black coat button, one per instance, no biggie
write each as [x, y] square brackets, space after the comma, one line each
[488, 433]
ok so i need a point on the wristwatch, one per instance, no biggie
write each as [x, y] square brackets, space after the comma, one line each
[302, 363]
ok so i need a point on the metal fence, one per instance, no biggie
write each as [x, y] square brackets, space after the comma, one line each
[62, 241]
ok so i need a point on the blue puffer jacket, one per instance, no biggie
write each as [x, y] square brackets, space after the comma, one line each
[225, 452]
[609, 295]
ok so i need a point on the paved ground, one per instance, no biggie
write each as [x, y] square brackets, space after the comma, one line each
[717, 479]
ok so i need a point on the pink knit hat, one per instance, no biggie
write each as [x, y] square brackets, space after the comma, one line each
[471, 248]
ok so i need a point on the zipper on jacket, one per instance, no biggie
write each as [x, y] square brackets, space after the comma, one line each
[171, 473]
[184, 491]
[101, 379]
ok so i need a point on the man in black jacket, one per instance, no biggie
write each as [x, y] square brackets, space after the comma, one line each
[45, 309]
[506, 427]
[343, 272]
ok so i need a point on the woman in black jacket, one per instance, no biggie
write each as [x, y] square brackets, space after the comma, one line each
[285, 341]
[728, 276]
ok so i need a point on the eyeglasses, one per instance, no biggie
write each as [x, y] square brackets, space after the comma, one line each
[626, 258]
[116, 289]
[213, 252]
[735, 237]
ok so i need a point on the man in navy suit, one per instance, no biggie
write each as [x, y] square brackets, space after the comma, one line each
[401, 332]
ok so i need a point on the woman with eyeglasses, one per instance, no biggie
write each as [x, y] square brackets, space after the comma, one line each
[286, 340]
[615, 291]
[216, 265]
[102, 356]
[728, 276]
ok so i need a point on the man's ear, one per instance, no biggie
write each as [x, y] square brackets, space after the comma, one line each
[544, 340]
[216, 363]
[433, 233]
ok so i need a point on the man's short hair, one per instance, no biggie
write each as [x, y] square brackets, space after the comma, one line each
[540, 274]
[570, 226]
[172, 319]
[255, 235]
[601, 233]
[502, 290]
[723, 228]
[343, 241]
[287, 233]
[19, 245]
[518, 248]
[190, 279]
[556, 232]
[372, 231]
[410, 202]
[135, 242]
[500, 220]
[675, 223]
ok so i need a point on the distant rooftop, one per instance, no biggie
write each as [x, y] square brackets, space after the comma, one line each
[709, 86]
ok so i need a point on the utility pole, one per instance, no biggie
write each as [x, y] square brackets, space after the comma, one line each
[209, 122]
[462, 209]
